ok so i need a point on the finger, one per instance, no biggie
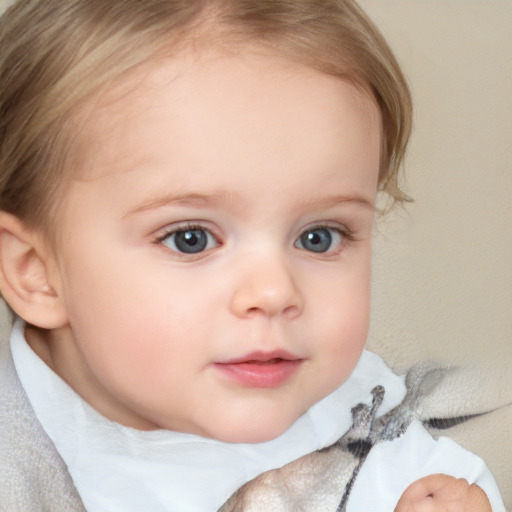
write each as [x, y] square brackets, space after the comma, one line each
[425, 504]
[424, 487]
[443, 492]
[478, 500]
[458, 491]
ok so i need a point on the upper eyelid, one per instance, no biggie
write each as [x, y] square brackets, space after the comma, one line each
[336, 226]
[170, 229]
[347, 236]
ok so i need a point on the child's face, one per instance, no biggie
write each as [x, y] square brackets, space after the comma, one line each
[215, 263]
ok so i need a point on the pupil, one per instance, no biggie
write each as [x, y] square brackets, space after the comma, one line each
[191, 241]
[190, 238]
[318, 240]
[314, 238]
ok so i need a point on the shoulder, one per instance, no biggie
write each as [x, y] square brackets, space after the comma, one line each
[392, 466]
[32, 474]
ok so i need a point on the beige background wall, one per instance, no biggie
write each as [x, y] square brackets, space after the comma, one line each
[443, 267]
[443, 271]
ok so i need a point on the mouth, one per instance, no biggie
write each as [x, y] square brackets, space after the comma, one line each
[261, 369]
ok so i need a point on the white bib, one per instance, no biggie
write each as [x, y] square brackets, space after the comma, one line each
[117, 468]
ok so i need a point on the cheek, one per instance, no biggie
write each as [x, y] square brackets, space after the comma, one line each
[344, 322]
[138, 323]
[347, 336]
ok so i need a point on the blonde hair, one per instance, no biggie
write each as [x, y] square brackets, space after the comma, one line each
[57, 54]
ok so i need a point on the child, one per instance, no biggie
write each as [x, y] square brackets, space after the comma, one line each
[187, 201]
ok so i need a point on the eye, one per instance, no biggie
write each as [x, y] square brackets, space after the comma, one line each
[320, 239]
[189, 241]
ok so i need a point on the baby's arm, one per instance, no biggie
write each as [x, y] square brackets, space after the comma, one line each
[443, 493]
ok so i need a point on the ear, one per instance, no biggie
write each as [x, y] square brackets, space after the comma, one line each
[28, 275]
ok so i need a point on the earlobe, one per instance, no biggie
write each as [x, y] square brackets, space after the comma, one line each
[25, 282]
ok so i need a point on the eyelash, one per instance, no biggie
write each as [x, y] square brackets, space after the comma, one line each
[346, 238]
[184, 228]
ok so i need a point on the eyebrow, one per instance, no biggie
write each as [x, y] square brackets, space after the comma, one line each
[338, 199]
[192, 200]
[234, 201]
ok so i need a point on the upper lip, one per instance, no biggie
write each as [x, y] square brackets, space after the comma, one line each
[262, 356]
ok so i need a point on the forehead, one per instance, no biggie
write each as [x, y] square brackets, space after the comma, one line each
[224, 109]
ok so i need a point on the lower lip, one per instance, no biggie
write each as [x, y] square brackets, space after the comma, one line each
[255, 374]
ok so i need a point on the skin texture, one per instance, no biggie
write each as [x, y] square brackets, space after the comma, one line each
[254, 151]
[443, 493]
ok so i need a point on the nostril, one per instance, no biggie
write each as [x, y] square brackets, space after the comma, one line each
[266, 292]
[291, 311]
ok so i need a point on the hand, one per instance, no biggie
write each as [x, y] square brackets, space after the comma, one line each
[443, 493]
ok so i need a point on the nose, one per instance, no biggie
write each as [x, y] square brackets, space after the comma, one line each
[266, 287]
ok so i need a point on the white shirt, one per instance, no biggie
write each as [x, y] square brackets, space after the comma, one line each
[116, 468]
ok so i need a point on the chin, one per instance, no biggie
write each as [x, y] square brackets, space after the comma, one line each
[249, 437]
[252, 432]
